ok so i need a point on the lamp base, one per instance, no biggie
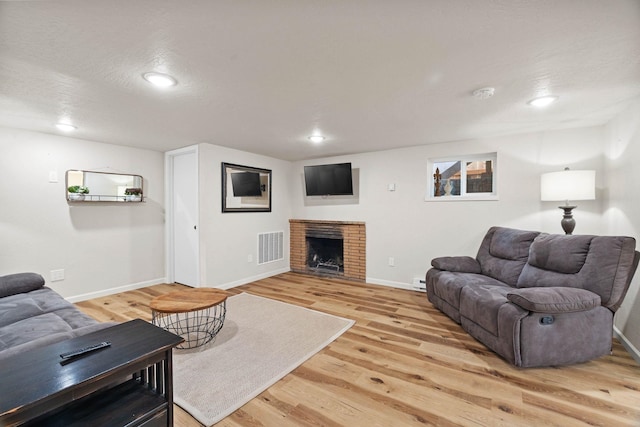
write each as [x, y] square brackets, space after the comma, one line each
[568, 223]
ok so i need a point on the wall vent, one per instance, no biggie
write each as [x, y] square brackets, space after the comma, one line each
[270, 247]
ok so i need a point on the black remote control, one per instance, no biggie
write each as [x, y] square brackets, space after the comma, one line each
[87, 349]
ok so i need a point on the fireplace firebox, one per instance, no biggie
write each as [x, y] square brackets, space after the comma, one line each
[325, 255]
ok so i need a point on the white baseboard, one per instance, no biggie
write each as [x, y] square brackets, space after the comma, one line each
[228, 285]
[633, 351]
[111, 291]
[400, 285]
[246, 280]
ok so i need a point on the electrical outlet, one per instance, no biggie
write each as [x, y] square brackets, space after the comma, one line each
[419, 284]
[56, 275]
[392, 262]
[249, 258]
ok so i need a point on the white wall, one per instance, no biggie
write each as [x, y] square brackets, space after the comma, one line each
[622, 208]
[101, 246]
[104, 248]
[402, 225]
[227, 239]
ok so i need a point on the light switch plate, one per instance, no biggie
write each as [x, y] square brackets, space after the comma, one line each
[56, 275]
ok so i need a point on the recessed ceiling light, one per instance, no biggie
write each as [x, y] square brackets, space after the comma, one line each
[159, 79]
[543, 101]
[316, 138]
[65, 127]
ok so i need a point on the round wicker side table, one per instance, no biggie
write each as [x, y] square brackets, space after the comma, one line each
[195, 314]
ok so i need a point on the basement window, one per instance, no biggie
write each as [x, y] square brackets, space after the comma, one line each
[469, 177]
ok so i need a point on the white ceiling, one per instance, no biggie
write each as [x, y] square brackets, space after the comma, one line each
[262, 75]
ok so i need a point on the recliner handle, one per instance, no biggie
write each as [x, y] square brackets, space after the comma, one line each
[546, 320]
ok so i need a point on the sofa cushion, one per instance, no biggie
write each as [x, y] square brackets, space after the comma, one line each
[16, 308]
[554, 300]
[511, 244]
[504, 252]
[482, 304]
[20, 283]
[555, 252]
[448, 285]
[32, 328]
[22, 306]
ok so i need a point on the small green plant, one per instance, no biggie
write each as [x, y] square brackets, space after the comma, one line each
[133, 191]
[78, 189]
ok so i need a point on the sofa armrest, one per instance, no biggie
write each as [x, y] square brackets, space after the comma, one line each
[458, 264]
[20, 283]
[554, 299]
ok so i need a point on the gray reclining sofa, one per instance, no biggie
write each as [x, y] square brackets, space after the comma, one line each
[537, 299]
[32, 315]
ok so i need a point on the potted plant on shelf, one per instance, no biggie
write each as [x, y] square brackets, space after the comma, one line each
[133, 194]
[77, 192]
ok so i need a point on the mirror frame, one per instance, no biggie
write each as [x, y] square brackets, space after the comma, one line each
[103, 198]
[227, 207]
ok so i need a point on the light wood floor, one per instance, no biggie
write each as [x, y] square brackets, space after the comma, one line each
[406, 364]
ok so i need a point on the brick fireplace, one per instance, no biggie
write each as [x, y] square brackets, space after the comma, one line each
[328, 248]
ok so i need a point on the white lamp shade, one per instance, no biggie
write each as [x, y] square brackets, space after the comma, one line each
[568, 185]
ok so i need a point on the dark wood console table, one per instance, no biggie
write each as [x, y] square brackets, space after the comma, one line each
[128, 383]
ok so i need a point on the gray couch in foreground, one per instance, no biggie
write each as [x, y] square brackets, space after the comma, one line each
[32, 315]
[537, 299]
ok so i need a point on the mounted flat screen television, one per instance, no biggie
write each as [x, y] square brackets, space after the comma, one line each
[328, 180]
[246, 184]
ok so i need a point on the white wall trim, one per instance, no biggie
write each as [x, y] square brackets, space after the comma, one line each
[111, 291]
[633, 351]
[392, 284]
[161, 280]
[168, 203]
[246, 280]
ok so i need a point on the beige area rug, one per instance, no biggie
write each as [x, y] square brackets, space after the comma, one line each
[262, 340]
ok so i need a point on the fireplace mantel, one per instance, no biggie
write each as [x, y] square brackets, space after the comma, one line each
[353, 233]
[314, 221]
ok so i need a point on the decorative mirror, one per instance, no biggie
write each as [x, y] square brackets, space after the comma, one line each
[245, 189]
[89, 186]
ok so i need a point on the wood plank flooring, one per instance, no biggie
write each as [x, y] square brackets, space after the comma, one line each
[406, 364]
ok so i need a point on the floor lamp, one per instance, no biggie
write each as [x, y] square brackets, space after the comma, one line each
[568, 185]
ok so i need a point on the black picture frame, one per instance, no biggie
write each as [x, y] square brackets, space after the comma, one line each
[243, 203]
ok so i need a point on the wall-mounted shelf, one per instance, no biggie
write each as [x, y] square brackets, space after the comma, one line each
[102, 198]
[89, 186]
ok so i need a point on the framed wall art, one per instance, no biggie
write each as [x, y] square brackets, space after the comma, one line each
[245, 189]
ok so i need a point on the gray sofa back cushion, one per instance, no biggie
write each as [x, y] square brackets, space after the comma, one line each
[563, 254]
[504, 252]
[605, 269]
[19, 283]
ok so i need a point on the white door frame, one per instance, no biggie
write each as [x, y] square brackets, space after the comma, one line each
[169, 214]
